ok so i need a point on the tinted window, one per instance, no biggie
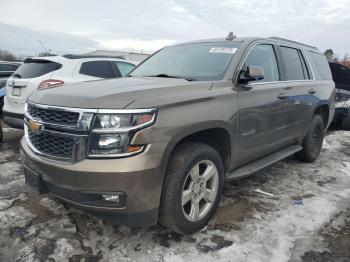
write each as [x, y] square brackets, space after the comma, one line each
[200, 61]
[8, 67]
[264, 56]
[320, 66]
[100, 69]
[293, 63]
[124, 68]
[34, 68]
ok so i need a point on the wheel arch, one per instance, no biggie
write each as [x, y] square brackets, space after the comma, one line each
[207, 134]
[323, 109]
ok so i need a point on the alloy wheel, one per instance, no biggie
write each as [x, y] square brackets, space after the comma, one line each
[200, 190]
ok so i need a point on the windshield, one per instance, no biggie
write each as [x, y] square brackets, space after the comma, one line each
[201, 61]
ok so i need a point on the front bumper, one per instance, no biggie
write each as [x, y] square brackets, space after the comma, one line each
[139, 177]
[13, 119]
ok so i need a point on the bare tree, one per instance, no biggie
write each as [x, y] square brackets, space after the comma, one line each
[6, 55]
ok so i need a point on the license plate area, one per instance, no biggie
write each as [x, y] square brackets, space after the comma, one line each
[16, 91]
[34, 180]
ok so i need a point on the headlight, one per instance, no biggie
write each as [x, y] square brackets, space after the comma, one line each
[112, 132]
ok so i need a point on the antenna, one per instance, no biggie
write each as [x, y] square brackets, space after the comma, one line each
[230, 36]
[43, 46]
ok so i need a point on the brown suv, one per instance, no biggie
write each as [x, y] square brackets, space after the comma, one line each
[157, 146]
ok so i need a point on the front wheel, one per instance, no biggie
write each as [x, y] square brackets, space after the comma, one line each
[312, 143]
[192, 188]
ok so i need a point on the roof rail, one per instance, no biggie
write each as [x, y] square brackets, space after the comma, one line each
[70, 56]
[291, 41]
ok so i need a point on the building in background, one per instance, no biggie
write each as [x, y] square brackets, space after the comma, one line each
[131, 56]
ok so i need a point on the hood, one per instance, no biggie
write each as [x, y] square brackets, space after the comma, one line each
[118, 93]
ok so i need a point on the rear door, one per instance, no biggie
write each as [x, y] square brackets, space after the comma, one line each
[303, 91]
[263, 106]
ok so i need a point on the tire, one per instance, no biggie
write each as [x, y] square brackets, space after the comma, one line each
[312, 142]
[182, 184]
[345, 122]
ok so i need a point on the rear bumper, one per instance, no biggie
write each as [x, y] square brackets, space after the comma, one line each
[82, 184]
[13, 119]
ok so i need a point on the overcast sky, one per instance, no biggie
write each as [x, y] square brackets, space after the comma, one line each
[82, 25]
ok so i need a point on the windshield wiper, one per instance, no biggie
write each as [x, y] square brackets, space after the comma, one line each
[17, 75]
[170, 76]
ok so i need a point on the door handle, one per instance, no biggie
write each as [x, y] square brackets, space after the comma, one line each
[283, 95]
[312, 91]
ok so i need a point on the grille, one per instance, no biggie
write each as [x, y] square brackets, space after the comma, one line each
[52, 116]
[52, 144]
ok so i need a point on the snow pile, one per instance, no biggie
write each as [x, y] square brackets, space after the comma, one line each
[250, 225]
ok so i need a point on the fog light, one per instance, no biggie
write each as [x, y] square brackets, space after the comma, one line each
[111, 198]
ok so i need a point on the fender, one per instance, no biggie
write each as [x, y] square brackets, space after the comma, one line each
[189, 131]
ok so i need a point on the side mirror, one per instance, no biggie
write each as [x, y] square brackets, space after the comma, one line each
[253, 73]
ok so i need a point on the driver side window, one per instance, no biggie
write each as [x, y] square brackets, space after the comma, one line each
[264, 56]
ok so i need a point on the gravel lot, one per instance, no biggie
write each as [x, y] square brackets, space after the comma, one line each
[306, 219]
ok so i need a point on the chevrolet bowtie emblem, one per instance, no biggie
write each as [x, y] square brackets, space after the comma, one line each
[34, 127]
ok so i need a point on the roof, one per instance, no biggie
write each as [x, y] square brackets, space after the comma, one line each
[243, 39]
[10, 62]
[70, 56]
[213, 40]
[58, 58]
[292, 42]
[117, 51]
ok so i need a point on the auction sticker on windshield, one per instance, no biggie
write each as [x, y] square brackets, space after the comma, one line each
[225, 50]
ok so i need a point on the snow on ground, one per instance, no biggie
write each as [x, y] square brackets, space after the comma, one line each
[248, 225]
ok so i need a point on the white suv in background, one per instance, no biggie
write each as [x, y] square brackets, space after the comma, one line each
[53, 71]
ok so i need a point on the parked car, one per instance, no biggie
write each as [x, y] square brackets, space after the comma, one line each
[1, 135]
[6, 70]
[341, 77]
[2, 94]
[54, 71]
[158, 145]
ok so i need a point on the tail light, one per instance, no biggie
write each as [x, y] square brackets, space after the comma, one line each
[50, 83]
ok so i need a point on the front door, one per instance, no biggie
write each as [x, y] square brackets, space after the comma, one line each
[263, 107]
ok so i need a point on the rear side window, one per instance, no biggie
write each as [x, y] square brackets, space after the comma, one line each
[264, 56]
[8, 67]
[124, 68]
[102, 69]
[320, 66]
[32, 68]
[294, 64]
